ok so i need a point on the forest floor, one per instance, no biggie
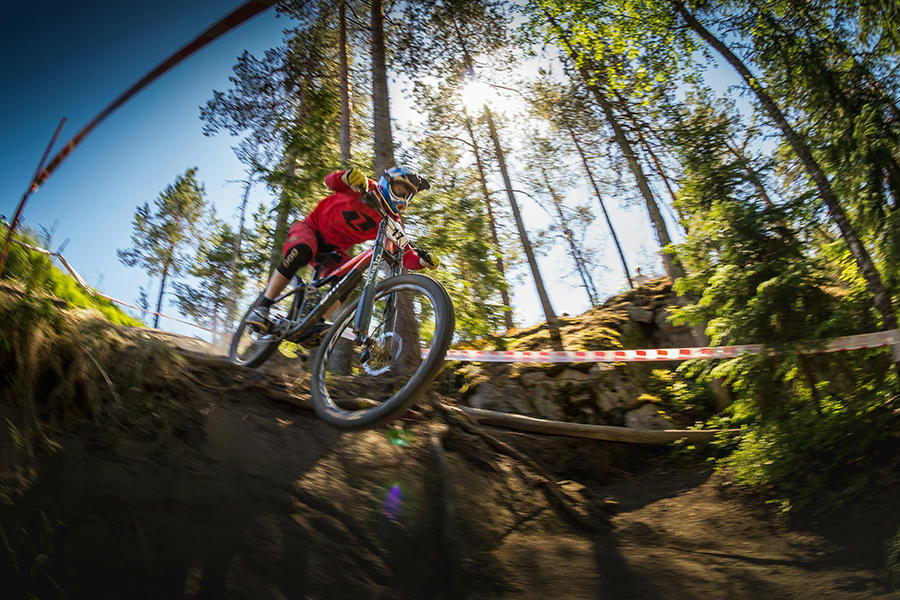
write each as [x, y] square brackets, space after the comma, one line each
[223, 490]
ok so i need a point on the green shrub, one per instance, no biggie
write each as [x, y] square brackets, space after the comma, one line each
[814, 463]
[681, 393]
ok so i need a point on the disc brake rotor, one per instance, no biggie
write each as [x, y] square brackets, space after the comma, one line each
[380, 353]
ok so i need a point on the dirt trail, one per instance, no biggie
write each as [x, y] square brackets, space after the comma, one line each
[240, 496]
[680, 535]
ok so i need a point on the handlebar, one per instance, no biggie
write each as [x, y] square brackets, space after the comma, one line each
[371, 199]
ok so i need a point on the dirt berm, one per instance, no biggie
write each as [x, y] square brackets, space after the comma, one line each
[134, 470]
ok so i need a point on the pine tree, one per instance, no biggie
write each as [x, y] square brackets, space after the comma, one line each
[286, 105]
[208, 301]
[550, 180]
[165, 234]
[571, 118]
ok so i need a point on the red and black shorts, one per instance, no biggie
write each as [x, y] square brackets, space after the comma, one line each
[296, 256]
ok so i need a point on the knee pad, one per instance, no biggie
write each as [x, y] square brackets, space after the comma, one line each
[296, 257]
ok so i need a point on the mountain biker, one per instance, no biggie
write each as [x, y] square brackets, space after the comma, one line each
[339, 221]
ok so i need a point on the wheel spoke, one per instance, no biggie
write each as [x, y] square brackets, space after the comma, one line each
[388, 372]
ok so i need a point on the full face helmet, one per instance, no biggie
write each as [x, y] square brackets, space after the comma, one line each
[397, 187]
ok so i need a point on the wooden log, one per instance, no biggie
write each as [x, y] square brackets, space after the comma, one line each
[659, 437]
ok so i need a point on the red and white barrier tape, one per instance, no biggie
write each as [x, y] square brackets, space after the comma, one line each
[851, 342]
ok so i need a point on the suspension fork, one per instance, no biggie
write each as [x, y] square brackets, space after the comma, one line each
[367, 299]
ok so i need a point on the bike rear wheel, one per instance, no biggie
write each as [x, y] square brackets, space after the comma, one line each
[249, 348]
[375, 386]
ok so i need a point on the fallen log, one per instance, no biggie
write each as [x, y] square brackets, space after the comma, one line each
[659, 437]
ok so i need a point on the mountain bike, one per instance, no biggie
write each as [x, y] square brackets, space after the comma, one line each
[360, 375]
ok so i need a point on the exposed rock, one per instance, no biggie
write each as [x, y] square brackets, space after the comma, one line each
[508, 398]
[647, 417]
[663, 317]
[532, 378]
[542, 399]
[669, 335]
[598, 369]
[639, 314]
[598, 393]
[572, 376]
[611, 401]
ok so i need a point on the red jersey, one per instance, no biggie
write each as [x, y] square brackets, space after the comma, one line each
[344, 221]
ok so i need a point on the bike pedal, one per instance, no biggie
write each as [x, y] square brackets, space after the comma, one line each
[314, 336]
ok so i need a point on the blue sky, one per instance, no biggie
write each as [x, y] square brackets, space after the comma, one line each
[71, 58]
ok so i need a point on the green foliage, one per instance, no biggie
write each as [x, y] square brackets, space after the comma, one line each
[818, 58]
[211, 303]
[454, 221]
[628, 45]
[37, 274]
[454, 228]
[164, 236]
[286, 107]
[681, 394]
[750, 263]
[814, 463]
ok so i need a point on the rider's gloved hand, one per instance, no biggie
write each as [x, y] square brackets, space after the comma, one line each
[355, 180]
[429, 261]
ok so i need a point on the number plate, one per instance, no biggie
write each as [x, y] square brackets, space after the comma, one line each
[395, 234]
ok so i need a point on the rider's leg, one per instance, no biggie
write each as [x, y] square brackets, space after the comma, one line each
[296, 257]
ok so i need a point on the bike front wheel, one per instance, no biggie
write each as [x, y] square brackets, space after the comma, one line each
[354, 387]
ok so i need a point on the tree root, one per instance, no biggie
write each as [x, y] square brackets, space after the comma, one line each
[552, 491]
[448, 515]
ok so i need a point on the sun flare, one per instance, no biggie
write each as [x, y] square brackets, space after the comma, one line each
[476, 93]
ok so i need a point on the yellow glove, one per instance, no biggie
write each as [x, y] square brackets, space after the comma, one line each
[429, 261]
[355, 180]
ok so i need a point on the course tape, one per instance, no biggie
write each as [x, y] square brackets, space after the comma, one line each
[851, 342]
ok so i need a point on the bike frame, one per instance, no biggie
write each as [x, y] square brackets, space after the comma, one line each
[349, 275]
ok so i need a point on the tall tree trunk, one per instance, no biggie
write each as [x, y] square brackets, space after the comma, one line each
[552, 322]
[162, 292]
[283, 209]
[659, 225]
[407, 327]
[231, 314]
[343, 351]
[344, 70]
[381, 109]
[469, 69]
[803, 151]
[574, 251]
[662, 233]
[282, 212]
[590, 174]
[482, 178]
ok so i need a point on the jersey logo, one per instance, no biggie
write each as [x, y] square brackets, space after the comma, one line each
[359, 221]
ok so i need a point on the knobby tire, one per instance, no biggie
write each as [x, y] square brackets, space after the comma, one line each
[335, 410]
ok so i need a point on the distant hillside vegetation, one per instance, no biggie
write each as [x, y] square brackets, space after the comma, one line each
[35, 272]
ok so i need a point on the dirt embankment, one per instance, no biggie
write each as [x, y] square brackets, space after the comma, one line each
[145, 472]
[253, 498]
